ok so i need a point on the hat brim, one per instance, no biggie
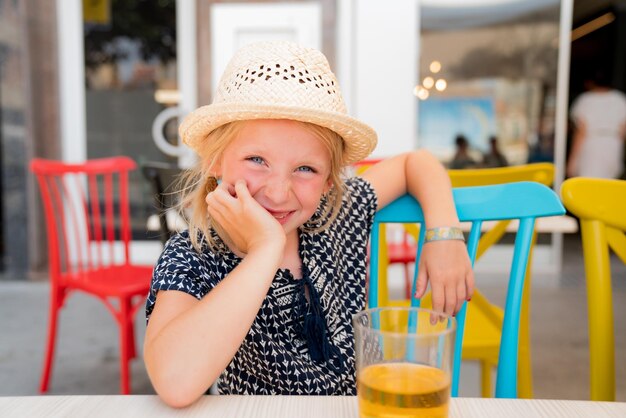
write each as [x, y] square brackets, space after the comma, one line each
[359, 138]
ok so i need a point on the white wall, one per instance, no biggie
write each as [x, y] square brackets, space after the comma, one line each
[384, 72]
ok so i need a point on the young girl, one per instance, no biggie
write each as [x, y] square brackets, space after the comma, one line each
[259, 293]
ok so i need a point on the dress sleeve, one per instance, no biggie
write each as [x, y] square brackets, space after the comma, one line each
[180, 267]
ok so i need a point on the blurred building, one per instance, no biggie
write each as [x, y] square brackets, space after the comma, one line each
[88, 79]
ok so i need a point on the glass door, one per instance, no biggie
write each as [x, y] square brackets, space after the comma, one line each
[130, 77]
[117, 72]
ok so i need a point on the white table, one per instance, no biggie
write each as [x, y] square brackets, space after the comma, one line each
[284, 406]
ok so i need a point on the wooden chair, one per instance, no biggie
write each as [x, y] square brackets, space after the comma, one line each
[524, 201]
[483, 337]
[482, 341]
[87, 213]
[600, 205]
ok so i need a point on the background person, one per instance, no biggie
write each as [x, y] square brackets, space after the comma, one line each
[494, 158]
[599, 116]
[462, 157]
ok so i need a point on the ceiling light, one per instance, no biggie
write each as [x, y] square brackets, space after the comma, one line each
[428, 82]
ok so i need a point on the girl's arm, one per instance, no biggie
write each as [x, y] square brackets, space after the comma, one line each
[189, 342]
[445, 264]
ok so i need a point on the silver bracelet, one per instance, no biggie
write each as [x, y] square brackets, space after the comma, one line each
[444, 233]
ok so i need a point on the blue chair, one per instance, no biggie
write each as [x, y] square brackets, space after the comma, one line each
[525, 201]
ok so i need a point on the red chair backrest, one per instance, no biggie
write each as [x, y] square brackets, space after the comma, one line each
[361, 166]
[84, 205]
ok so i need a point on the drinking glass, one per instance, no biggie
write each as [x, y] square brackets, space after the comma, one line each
[403, 362]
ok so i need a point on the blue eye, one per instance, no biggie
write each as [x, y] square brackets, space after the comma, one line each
[306, 169]
[255, 159]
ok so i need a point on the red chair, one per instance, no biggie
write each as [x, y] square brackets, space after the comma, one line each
[403, 252]
[88, 224]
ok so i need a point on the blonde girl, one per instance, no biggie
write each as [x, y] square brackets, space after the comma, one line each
[258, 294]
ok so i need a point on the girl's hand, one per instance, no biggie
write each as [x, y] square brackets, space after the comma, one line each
[447, 266]
[245, 222]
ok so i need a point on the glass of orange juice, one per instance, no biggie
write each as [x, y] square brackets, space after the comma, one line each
[403, 362]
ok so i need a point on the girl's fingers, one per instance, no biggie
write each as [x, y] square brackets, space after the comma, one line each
[212, 200]
[469, 284]
[461, 291]
[216, 209]
[221, 204]
[225, 196]
[461, 294]
[451, 301]
[438, 299]
[422, 282]
[438, 296]
[230, 189]
[220, 194]
[241, 191]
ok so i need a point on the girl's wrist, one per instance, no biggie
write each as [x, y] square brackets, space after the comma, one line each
[268, 246]
[269, 257]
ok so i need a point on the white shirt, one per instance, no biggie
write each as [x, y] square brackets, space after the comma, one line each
[604, 116]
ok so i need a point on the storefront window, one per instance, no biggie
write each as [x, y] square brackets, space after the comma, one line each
[13, 138]
[130, 71]
[488, 79]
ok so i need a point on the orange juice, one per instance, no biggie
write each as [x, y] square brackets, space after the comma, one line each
[390, 390]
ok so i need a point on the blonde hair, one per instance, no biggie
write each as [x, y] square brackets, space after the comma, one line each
[196, 183]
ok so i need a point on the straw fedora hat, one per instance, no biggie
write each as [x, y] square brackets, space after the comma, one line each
[280, 80]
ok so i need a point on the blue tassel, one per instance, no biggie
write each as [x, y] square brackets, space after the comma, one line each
[313, 330]
[315, 337]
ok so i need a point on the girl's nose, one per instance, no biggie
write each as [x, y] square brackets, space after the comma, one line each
[277, 189]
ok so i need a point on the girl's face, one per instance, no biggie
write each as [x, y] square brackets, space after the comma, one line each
[286, 168]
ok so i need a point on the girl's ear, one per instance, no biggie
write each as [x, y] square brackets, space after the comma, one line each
[328, 186]
[216, 169]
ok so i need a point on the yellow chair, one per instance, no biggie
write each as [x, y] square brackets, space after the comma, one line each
[600, 204]
[482, 338]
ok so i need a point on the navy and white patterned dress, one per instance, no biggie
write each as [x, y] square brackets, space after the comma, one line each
[274, 358]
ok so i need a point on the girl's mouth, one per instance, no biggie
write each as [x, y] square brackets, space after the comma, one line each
[281, 217]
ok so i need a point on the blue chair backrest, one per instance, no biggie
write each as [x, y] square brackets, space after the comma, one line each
[525, 201]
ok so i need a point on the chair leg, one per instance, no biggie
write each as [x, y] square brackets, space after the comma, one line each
[485, 379]
[524, 375]
[56, 300]
[524, 364]
[407, 281]
[383, 283]
[125, 346]
[132, 352]
[600, 311]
